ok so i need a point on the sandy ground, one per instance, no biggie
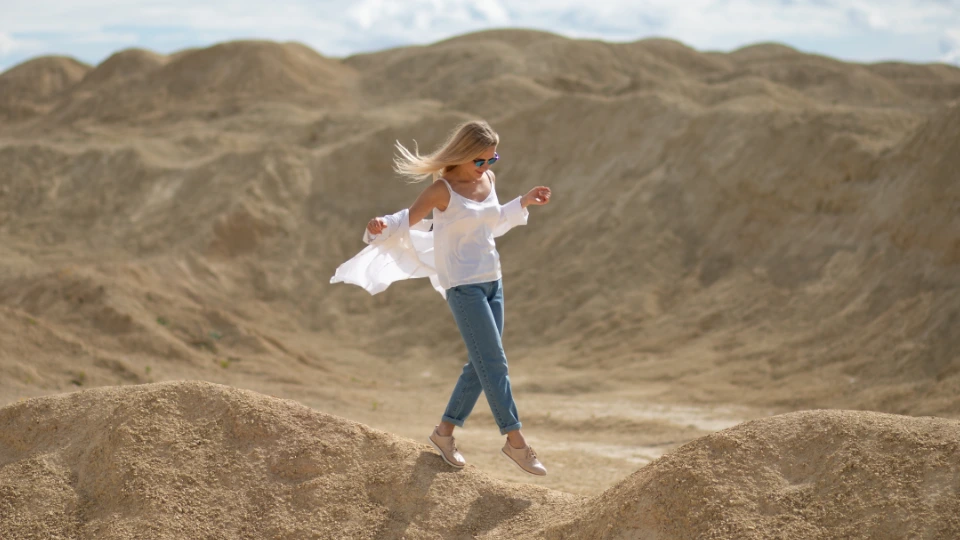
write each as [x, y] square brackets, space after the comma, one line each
[732, 237]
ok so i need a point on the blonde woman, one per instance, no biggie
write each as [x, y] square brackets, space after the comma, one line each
[467, 216]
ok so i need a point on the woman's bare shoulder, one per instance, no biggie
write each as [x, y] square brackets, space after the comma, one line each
[438, 194]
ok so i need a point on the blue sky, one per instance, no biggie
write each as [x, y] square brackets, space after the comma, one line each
[857, 30]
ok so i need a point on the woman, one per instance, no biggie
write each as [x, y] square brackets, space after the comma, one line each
[467, 216]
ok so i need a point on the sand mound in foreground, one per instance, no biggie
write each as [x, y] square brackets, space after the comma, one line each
[194, 459]
[812, 474]
[198, 460]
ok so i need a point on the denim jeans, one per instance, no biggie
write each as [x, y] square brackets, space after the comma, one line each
[478, 311]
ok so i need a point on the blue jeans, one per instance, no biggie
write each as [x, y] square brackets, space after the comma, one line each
[478, 310]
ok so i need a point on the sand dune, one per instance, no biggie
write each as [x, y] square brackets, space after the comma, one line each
[184, 460]
[27, 89]
[141, 85]
[813, 474]
[733, 236]
[123, 66]
[175, 460]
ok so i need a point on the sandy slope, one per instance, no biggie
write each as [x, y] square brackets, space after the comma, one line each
[732, 235]
[190, 460]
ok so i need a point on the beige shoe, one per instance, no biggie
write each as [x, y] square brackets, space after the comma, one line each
[525, 458]
[448, 449]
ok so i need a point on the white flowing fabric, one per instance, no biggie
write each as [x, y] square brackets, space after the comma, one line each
[404, 252]
[398, 253]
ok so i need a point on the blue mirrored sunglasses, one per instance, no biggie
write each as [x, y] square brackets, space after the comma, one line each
[481, 162]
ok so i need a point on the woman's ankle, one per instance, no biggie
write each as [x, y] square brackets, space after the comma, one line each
[516, 439]
[445, 429]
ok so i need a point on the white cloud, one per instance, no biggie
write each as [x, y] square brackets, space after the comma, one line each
[334, 29]
[10, 45]
[950, 47]
[494, 11]
[7, 44]
[121, 38]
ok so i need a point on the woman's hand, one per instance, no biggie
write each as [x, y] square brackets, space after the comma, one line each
[376, 225]
[539, 195]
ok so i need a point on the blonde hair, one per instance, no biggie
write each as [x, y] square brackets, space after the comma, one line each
[465, 142]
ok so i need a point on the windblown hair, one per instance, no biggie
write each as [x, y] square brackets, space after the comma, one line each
[466, 142]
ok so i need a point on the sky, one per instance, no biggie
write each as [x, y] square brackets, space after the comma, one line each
[854, 30]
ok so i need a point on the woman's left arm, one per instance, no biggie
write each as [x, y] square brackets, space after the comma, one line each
[539, 196]
[515, 212]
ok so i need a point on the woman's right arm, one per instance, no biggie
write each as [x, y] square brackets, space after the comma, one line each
[434, 196]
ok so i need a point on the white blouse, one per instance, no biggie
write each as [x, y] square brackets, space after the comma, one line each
[405, 252]
[463, 239]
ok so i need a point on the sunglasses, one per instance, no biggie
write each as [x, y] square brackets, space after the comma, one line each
[481, 162]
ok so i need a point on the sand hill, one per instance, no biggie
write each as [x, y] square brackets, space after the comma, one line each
[29, 88]
[733, 237]
[190, 460]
